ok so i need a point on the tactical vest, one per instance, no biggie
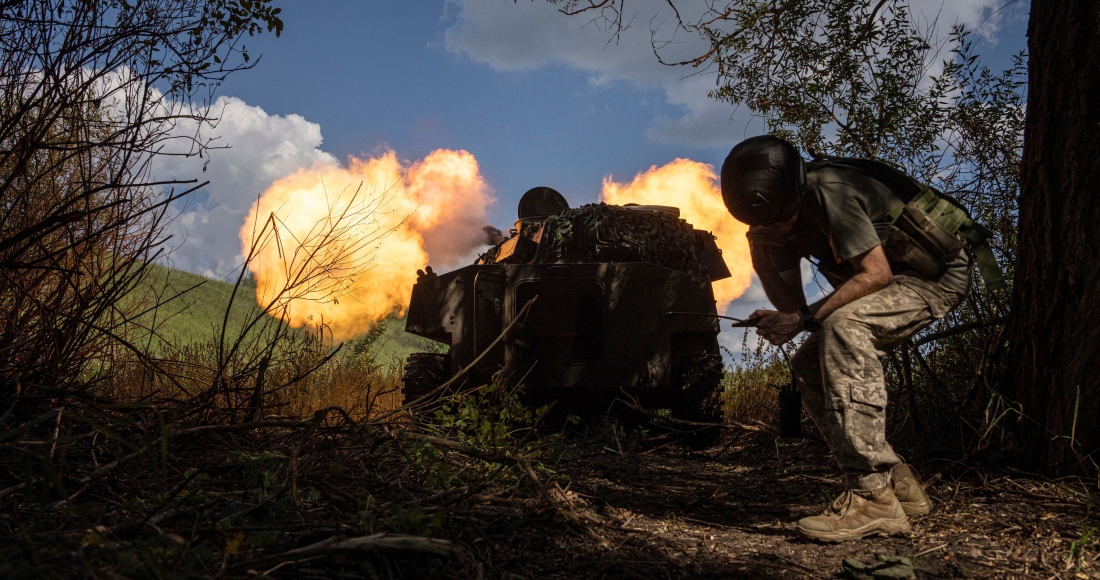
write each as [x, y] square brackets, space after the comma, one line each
[930, 228]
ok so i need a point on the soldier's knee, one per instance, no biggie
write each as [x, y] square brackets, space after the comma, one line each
[839, 323]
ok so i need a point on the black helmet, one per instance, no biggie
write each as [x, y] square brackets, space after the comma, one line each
[541, 202]
[762, 180]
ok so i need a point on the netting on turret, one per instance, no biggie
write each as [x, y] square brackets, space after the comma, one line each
[610, 233]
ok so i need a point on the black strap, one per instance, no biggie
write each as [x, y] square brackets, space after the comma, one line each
[906, 186]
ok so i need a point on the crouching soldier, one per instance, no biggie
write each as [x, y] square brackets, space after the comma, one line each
[850, 220]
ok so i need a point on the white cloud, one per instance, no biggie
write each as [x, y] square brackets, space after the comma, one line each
[704, 121]
[981, 16]
[526, 36]
[531, 35]
[258, 148]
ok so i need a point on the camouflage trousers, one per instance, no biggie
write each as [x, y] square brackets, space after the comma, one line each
[839, 372]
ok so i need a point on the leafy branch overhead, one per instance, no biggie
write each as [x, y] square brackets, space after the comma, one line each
[848, 77]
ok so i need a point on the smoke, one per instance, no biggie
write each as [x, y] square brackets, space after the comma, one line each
[348, 241]
[693, 187]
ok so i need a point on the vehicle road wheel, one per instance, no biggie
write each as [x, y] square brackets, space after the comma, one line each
[701, 398]
[424, 373]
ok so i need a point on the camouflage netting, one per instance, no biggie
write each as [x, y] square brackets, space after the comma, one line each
[610, 233]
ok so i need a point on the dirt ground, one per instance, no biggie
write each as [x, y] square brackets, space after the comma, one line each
[359, 502]
[727, 512]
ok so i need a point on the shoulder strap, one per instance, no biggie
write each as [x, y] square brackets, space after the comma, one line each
[905, 186]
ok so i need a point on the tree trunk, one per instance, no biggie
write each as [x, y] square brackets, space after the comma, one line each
[1054, 363]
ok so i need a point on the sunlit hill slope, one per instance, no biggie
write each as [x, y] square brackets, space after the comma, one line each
[194, 308]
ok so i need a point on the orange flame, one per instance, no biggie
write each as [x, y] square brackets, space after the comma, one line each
[693, 187]
[395, 217]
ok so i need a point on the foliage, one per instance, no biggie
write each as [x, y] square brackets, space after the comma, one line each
[749, 387]
[233, 500]
[833, 76]
[191, 309]
[491, 416]
[1078, 552]
[156, 424]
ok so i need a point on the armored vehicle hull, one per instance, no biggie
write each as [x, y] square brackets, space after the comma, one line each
[594, 330]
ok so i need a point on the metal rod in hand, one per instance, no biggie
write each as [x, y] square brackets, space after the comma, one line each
[708, 315]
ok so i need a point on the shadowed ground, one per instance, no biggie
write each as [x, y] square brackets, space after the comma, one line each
[672, 513]
[329, 498]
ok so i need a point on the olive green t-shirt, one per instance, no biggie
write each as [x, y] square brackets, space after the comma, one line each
[836, 222]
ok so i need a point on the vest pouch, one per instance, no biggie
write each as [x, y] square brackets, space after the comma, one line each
[900, 247]
[929, 234]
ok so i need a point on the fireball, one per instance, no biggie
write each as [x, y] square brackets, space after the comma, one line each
[340, 246]
[693, 187]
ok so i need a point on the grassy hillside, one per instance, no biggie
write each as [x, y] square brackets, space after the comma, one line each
[195, 308]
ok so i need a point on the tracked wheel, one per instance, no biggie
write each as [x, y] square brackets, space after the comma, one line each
[701, 398]
[424, 373]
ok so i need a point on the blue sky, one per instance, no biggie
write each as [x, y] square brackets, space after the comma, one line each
[539, 99]
[379, 75]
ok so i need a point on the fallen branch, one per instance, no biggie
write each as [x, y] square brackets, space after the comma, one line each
[517, 459]
[957, 330]
[145, 448]
[633, 404]
[939, 475]
[1041, 497]
[456, 446]
[535, 478]
[379, 541]
[190, 431]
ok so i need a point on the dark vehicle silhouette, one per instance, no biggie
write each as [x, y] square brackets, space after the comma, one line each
[622, 307]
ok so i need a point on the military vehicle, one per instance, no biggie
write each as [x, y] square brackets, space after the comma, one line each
[621, 305]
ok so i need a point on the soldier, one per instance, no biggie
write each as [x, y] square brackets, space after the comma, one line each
[829, 216]
[536, 203]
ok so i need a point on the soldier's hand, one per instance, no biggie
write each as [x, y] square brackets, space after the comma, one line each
[777, 327]
[762, 237]
[760, 314]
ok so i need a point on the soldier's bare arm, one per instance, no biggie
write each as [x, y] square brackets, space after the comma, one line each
[872, 274]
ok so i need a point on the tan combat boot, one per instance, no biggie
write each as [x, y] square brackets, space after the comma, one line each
[855, 515]
[909, 491]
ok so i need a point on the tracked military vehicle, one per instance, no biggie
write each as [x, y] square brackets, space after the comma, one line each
[620, 304]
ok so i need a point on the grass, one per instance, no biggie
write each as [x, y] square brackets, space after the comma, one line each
[749, 392]
[750, 387]
[194, 306]
[193, 319]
